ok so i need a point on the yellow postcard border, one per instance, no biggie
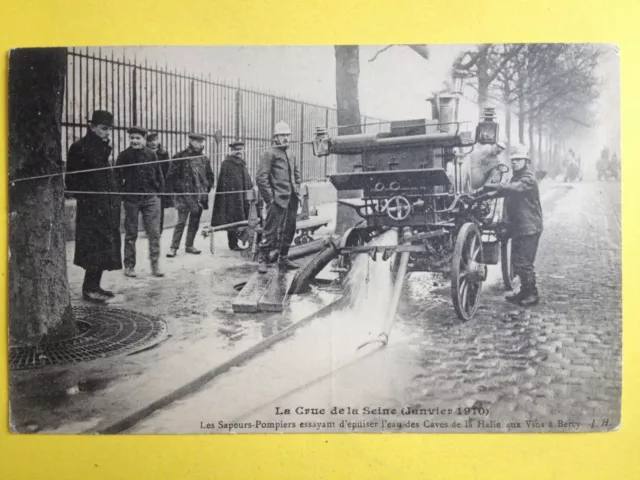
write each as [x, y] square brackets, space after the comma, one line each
[198, 22]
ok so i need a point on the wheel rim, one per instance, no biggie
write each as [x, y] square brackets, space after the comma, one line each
[509, 277]
[468, 271]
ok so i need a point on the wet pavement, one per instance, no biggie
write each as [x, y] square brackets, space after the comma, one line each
[194, 299]
[553, 367]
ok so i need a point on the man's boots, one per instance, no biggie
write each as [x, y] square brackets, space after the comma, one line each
[262, 262]
[172, 252]
[129, 272]
[531, 296]
[155, 270]
[192, 250]
[516, 297]
[284, 264]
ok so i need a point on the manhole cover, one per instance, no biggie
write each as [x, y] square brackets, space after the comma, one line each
[102, 332]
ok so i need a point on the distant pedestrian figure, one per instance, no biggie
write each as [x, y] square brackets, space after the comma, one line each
[232, 207]
[98, 242]
[140, 174]
[193, 177]
[524, 223]
[153, 144]
[278, 180]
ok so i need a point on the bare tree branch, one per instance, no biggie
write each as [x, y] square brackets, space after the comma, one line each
[380, 51]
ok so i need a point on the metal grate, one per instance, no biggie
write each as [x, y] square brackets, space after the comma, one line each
[102, 332]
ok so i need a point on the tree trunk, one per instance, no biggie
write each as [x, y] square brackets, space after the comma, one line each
[532, 144]
[39, 300]
[348, 110]
[507, 125]
[521, 117]
[347, 97]
[540, 150]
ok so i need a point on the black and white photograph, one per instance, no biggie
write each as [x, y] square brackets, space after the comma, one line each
[315, 239]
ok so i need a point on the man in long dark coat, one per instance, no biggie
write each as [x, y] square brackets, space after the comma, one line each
[232, 207]
[190, 173]
[163, 158]
[98, 240]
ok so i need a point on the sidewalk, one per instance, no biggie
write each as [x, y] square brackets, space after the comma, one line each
[194, 299]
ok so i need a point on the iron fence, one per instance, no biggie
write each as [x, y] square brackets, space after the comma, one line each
[174, 103]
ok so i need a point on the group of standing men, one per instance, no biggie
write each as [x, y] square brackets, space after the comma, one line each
[147, 181]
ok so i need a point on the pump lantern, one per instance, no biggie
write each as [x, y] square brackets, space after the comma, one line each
[487, 129]
[321, 142]
[458, 81]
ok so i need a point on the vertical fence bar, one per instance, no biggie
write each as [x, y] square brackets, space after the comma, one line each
[181, 102]
[93, 80]
[99, 77]
[82, 105]
[192, 103]
[326, 123]
[134, 96]
[237, 116]
[147, 121]
[273, 114]
[301, 161]
[113, 88]
[174, 110]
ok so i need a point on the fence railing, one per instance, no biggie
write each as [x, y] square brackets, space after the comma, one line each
[174, 103]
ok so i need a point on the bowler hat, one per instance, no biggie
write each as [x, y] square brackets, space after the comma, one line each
[196, 136]
[102, 117]
[140, 130]
[237, 143]
[152, 136]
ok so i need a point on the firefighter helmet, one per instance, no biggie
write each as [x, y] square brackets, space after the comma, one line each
[519, 152]
[282, 128]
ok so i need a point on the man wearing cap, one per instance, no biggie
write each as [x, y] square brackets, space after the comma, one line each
[140, 180]
[163, 160]
[97, 246]
[524, 223]
[232, 207]
[278, 180]
[190, 173]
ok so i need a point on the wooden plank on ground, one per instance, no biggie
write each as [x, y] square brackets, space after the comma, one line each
[248, 298]
[276, 294]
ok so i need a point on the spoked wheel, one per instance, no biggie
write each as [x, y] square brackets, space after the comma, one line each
[509, 278]
[467, 271]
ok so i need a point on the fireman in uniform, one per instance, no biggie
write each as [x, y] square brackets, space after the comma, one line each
[278, 181]
[524, 223]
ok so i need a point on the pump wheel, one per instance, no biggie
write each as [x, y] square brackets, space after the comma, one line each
[468, 271]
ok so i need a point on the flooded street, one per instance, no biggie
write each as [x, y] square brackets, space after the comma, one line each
[432, 360]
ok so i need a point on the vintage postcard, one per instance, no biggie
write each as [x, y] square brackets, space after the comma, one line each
[288, 239]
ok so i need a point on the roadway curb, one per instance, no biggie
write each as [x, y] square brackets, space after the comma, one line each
[193, 386]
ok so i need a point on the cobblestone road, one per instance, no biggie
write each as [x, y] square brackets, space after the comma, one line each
[553, 367]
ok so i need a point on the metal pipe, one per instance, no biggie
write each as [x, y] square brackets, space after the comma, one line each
[242, 223]
[357, 143]
[397, 291]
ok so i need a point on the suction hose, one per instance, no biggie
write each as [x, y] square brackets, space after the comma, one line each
[314, 267]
